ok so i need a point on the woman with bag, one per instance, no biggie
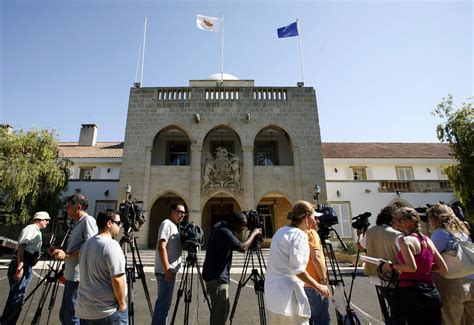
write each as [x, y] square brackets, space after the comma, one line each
[416, 300]
[457, 294]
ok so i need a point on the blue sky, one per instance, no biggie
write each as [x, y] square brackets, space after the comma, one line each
[379, 68]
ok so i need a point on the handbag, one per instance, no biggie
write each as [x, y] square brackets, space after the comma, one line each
[460, 260]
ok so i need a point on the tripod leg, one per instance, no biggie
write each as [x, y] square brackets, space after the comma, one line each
[138, 265]
[201, 280]
[241, 283]
[182, 286]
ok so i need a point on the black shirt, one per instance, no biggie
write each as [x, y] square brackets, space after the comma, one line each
[222, 242]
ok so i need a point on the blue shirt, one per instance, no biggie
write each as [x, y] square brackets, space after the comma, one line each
[222, 242]
[445, 242]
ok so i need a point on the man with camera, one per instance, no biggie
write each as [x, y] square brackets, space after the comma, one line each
[380, 242]
[20, 270]
[101, 297]
[84, 228]
[216, 269]
[167, 262]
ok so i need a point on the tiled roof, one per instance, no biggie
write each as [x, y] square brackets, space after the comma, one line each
[385, 150]
[100, 150]
[330, 150]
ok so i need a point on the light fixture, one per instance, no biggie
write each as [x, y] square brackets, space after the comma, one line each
[128, 188]
[338, 193]
[136, 84]
[172, 140]
[78, 190]
[274, 200]
[335, 170]
[398, 193]
[197, 117]
[428, 170]
[108, 170]
[247, 117]
[356, 176]
[367, 190]
[221, 203]
[106, 193]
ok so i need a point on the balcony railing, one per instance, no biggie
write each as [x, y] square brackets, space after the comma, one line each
[418, 186]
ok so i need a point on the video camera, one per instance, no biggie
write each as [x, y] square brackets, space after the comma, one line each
[191, 236]
[362, 221]
[254, 220]
[132, 215]
[329, 217]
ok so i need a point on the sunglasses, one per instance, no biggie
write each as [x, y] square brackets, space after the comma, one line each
[118, 223]
[179, 211]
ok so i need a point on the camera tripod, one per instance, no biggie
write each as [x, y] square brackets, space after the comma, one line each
[335, 276]
[128, 242]
[256, 275]
[186, 285]
[50, 281]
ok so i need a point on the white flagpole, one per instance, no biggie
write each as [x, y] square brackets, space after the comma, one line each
[301, 51]
[141, 59]
[143, 50]
[222, 48]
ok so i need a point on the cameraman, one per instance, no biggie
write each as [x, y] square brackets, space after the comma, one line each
[216, 269]
[85, 227]
[167, 262]
[380, 242]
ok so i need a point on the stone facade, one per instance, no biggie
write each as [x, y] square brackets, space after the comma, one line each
[242, 111]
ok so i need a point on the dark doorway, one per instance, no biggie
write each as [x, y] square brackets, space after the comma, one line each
[220, 212]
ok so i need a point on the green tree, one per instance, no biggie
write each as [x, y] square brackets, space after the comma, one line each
[458, 131]
[32, 175]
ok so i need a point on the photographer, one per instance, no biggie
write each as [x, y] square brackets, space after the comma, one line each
[216, 268]
[84, 228]
[167, 262]
[20, 270]
[380, 242]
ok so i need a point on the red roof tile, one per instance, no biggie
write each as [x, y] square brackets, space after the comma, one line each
[385, 150]
[100, 150]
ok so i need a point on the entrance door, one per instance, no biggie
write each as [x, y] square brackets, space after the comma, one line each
[220, 212]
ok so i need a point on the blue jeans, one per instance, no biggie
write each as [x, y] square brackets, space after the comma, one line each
[116, 318]
[67, 313]
[12, 310]
[163, 301]
[319, 307]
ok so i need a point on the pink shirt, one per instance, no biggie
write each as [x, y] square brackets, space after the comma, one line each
[424, 263]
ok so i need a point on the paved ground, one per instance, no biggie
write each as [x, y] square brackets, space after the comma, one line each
[364, 299]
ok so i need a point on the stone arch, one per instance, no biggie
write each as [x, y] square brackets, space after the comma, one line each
[171, 146]
[218, 208]
[159, 211]
[273, 146]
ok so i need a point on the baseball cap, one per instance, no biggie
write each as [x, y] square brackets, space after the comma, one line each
[42, 215]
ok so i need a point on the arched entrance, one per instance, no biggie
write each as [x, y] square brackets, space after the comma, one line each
[158, 213]
[217, 208]
[273, 208]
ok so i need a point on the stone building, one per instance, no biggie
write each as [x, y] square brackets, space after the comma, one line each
[220, 146]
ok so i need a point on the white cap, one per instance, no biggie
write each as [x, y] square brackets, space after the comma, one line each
[42, 215]
[317, 214]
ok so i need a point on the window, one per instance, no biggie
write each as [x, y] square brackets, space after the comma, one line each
[266, 153]
[178, 154]
[86, 173]
[404, 173]
[344, 227]
[101, 205]
[359, 173]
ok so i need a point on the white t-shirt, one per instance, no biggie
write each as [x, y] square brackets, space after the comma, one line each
[30, 236]
[169, 233]
[289, 255]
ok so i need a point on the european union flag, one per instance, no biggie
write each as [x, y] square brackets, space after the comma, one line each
[288, 31]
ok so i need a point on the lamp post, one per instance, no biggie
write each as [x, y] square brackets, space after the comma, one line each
[317, 191]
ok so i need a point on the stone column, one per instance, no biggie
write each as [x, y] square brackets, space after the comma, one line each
[143, 239]
[298, 183]
[248, 178]
[195, 185]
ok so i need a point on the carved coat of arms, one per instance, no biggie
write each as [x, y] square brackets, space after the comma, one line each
[221, 171]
